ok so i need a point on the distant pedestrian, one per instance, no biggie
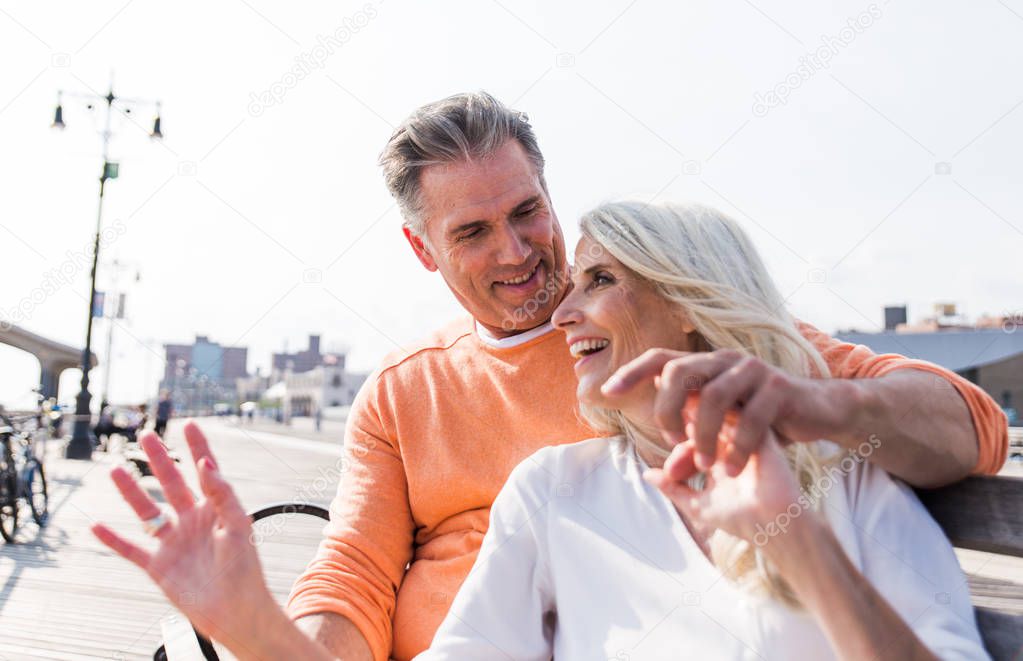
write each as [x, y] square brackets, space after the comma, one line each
[56, 419]
[164, 411]
[133, 431]
[319, 418]
[106, 426]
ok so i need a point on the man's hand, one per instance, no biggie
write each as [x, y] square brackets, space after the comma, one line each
[799, 409]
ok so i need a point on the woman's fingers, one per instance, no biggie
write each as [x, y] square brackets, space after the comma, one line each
[197, 444]
[133, 494]
[220, 493]
[679, 493]
[681, 463]
[174, 487]
[122, 547]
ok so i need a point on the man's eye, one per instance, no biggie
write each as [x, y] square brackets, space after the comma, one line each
[526, 212]
[469, 235]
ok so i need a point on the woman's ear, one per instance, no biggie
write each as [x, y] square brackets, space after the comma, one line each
[686, 323]
[694, 341]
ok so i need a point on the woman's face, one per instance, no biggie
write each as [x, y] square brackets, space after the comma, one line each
[611, 316]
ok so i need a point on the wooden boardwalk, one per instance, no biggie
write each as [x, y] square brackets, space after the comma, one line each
[64, 596]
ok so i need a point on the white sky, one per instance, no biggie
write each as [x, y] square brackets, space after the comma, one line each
[840, 178]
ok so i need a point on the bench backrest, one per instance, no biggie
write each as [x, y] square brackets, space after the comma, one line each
[985, 514]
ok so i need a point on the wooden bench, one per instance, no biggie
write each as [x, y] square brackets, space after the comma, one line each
[986, 514]
[978, 513]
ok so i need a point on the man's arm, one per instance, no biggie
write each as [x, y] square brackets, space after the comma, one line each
[934, 426]
[346, 597]
[338, 633]
[921, 427]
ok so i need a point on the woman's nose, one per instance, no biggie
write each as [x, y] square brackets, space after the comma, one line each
[567, 312]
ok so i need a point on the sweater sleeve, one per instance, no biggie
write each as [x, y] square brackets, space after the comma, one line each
[908, 559]
[856, 361]
[504, 609]
[368, 542]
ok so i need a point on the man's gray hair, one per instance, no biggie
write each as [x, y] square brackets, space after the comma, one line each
[462, 127]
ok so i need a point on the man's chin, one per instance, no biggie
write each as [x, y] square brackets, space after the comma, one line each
[519, 318]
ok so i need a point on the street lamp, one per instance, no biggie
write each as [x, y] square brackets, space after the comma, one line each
[80, 446]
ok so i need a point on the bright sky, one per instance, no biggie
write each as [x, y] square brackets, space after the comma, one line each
[890, 173]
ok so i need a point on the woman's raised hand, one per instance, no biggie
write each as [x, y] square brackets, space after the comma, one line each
[205, 562]
[745, 505]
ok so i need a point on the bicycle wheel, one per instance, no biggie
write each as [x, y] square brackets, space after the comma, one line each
[8, 495]
[35, 492]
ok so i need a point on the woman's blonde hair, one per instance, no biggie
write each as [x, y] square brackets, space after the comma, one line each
[702, 261]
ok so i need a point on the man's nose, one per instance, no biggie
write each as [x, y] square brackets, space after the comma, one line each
[513, 249]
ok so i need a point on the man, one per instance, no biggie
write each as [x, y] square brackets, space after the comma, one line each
[435, 431]
[164, 410]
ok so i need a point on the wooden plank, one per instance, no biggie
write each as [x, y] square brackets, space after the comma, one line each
[980, 513]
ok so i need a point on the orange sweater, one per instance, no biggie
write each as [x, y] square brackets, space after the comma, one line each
[432, 437]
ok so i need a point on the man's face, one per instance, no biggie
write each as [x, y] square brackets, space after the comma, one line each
[494, 238]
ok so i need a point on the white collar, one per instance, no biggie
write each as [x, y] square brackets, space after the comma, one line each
[512, 340]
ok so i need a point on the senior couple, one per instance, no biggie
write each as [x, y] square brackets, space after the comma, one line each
[644, 456]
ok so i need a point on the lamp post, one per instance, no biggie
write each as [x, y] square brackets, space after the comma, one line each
[80, 446]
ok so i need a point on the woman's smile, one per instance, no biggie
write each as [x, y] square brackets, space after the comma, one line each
[583, 349]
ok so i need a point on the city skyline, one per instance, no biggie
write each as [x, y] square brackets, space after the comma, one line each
[883, 174]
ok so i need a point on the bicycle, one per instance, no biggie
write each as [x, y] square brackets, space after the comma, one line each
[21, 477]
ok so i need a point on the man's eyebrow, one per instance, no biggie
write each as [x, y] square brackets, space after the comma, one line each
[525, 204]
[472, 224]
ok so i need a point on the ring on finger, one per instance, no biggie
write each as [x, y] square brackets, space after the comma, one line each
[154, 524]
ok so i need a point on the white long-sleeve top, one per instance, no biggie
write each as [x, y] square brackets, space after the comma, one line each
[585, 560]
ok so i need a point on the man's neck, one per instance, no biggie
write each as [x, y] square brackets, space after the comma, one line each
[502, 333]
[513, 338]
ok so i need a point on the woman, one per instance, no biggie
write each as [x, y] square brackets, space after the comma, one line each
[619, 548]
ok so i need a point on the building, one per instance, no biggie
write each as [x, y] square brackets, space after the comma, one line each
[251, 388]
[202, 374]
[324, 386]
[988, 353]
[301, 383]
[303, 361]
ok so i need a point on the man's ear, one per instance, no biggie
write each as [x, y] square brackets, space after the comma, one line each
[418, 247]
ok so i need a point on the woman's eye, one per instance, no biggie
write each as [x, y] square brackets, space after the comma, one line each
[600, 279]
